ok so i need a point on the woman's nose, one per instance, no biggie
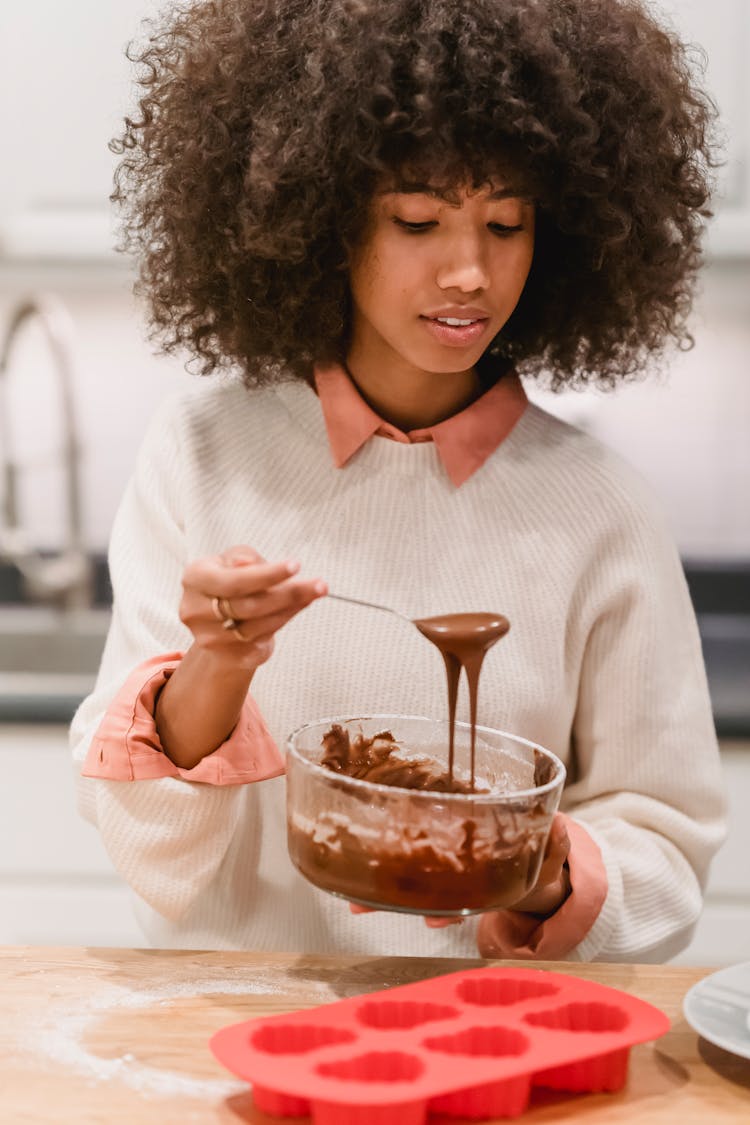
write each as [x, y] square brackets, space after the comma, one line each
[464, 268]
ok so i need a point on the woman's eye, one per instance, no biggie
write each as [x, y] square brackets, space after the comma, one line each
[502, 229]
[415, 228]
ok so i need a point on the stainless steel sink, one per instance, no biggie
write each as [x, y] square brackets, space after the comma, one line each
[48, 660]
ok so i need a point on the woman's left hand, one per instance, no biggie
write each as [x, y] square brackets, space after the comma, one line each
[553, 884]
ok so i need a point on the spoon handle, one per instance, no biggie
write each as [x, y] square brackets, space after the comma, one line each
[370, 605]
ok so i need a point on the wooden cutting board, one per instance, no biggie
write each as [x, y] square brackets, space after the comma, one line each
[120, 1036]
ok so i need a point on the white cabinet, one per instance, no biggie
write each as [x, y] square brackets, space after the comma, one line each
[57, 884]
[722, 936]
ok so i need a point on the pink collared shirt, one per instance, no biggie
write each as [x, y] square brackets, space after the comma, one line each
[464, 441]
[126, 746]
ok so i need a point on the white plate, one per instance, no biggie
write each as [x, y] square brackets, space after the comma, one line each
[718, 1008]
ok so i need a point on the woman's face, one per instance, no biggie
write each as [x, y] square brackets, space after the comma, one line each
[428, 261]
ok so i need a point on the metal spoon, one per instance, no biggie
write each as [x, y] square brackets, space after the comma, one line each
[481, 628]
[371, 605]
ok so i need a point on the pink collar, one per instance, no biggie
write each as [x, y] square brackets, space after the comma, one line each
[464, 441]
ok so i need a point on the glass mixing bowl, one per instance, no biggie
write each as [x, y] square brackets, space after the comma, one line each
[420, 851]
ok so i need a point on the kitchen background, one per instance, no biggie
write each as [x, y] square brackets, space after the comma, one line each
[64, 86]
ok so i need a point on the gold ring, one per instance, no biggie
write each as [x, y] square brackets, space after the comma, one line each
[226, 609]
[236, 632]
[223, 612]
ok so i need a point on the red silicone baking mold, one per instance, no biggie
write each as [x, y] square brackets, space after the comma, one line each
[469, 1044]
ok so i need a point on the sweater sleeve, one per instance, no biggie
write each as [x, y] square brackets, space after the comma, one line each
[166, 835]
[645, 777]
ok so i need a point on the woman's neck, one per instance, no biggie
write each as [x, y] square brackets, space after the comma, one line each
[413, 399]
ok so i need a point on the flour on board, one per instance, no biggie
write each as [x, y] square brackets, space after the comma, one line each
[59, 1035]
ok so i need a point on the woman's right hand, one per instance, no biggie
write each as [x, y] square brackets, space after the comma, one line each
[233, 604]
[259, 596]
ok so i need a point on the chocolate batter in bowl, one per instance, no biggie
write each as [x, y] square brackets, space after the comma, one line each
[374, 817]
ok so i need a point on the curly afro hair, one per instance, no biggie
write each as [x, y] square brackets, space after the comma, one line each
[265, 126]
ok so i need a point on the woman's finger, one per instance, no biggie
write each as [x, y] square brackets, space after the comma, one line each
[252, 628]
[275, 600]
[213, 578]
[555, 853]
[197, 612]
[240, 555]
[432, 922]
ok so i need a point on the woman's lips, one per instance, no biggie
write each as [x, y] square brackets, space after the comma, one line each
[456, 336]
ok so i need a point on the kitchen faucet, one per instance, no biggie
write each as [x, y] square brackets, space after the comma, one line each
[64, 578]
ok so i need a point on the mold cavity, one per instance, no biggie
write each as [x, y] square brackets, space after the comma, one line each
[489, 992]
[580, 1017]
[389, 1014]
[481, 1041]
[296, 1039]
[377, 1066]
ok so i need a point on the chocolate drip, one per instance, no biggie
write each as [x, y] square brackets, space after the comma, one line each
[464, 639]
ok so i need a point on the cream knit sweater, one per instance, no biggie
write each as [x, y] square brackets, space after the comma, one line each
[602, 664]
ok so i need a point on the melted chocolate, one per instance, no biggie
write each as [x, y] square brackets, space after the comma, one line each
[485, 861]
[475, 873]
[377, 759]
[464, 639]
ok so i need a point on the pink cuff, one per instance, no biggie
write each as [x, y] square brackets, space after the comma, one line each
[510, 934]
[126, 746]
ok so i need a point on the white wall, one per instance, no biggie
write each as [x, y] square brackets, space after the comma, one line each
[687, 427]
[687, 430]
[689, 433]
